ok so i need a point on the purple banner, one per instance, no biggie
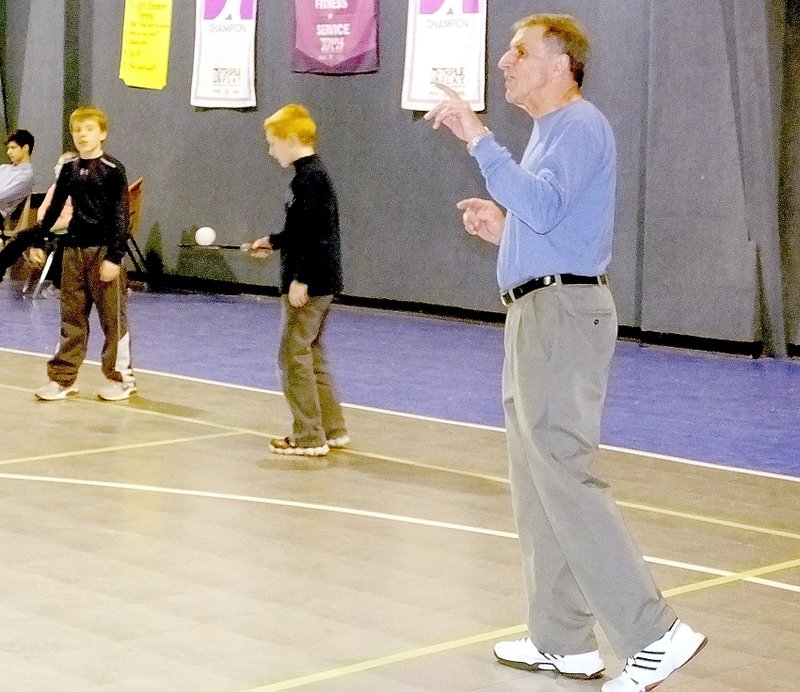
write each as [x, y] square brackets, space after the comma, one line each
[242, 9]
[335, 36]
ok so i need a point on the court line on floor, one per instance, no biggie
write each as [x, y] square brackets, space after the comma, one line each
[293, 504]
[116, 448]
[238, 431]
[407, 462]
[709, 520]
[689, 567]
[324, 676]
[444, 421]
[233, 430]
[702, 464]
[335, 509]
[421, 465]
[722, 577]
[745, 575]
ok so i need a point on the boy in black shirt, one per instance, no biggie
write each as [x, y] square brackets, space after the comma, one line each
[92, 266]
[311, 272]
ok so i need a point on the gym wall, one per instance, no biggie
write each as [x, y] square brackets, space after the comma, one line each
[693, 91]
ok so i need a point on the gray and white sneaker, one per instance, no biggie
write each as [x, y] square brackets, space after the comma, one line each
[53, 391]
[286, 445]
[523, 655]
[116, 391]
[655, 663]
[338, 442]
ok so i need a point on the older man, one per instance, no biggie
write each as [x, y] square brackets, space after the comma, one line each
[552, 215]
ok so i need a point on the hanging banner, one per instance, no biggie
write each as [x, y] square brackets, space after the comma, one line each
[335, 36]
[224, 54]
[445, 43]
[146, 30]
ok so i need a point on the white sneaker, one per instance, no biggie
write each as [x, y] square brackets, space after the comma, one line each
[338, 442]
[522, 654]
[53, 391]
[654, 664]
[116, 391]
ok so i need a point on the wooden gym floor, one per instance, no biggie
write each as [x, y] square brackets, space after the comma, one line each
[156, 544]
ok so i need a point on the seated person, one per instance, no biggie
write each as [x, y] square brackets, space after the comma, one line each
[16, 178]
[36, 255]
[33, 237]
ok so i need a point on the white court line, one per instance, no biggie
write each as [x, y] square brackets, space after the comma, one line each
[703, 464]
[476, 426]
[261, 501]
[232, 430]
[429, 467]
[335, 509]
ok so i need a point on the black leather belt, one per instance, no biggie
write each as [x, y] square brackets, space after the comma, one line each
[516, 293]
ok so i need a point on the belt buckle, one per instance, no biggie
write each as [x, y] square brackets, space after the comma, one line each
[506, 298]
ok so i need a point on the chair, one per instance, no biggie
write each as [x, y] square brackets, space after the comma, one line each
[134, 207]
[37, 278]
[37, 289]
[23, 216]
[132, 249]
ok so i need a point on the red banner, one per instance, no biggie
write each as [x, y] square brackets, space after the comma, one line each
[335, 36]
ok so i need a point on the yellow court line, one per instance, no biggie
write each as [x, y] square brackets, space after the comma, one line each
[117, 448]
[428, 467]
[621, 503]
[388, 660]
[394, 460]
[724, 576]
[710, 520]
[131, 406]
[401, 657]
[689, 567]
[14, 388]
[730, 578]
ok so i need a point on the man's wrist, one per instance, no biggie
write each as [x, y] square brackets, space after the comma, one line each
[473, 141]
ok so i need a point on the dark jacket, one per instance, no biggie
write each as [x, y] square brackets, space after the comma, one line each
[309, 243]
[99, 191]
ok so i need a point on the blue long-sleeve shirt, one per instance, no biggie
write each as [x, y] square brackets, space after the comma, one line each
[16, 183]
[559, 199]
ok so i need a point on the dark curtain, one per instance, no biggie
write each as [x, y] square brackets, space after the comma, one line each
[711, 262]
[3, 33]
[756, 88]
[790, 173]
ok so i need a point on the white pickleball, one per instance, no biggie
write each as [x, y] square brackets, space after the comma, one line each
[205, 235]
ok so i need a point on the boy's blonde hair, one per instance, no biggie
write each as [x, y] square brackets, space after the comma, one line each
[293, 120]
[89, 113]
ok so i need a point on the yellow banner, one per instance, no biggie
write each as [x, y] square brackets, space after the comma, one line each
[146, 33]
